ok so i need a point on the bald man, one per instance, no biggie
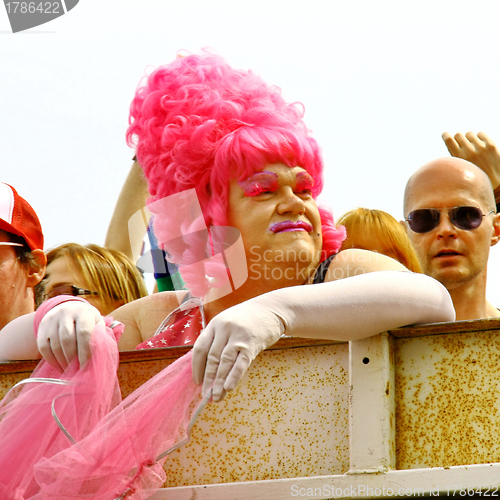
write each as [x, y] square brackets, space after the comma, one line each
[451, 219]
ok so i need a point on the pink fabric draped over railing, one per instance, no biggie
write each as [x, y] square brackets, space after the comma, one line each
[69, 436]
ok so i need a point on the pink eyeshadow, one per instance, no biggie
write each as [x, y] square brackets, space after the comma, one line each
[304, 181]
[259, 183]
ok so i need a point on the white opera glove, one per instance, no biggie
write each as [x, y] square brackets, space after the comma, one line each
[65, 331]
[360, 306]
[348, 309]
[230, 342]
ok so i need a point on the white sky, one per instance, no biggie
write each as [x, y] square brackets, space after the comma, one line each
[380, 80]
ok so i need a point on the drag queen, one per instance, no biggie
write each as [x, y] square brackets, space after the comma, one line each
[233, 175]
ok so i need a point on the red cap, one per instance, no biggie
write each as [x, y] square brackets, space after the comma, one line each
[18, 217]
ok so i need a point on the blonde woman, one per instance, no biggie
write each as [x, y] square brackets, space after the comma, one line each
[379, 232]
[106, 278]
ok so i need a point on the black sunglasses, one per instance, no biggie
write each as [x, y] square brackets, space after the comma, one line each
[68, 290]
[424, 220]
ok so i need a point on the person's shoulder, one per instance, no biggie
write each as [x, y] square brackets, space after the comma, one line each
[492, 311]
[159, 299]
[143, 316]
[162, 299]
[354, 261]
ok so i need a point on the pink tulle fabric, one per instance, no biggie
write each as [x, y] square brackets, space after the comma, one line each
[104, 449]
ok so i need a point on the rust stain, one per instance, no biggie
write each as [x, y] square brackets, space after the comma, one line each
[448, 400]
[288, 419]
[8, 380]
[133, 375]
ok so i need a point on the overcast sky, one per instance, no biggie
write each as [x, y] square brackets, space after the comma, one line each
[380, 81]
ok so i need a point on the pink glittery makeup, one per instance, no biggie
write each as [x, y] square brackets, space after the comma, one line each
[304, 182]
[258, 183]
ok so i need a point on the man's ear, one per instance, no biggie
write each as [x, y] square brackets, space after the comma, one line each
[495, 237]
[36, 273]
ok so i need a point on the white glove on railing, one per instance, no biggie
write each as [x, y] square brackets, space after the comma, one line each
[348, 309]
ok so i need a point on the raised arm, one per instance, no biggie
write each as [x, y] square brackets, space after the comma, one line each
[132, 198]
[343, 309]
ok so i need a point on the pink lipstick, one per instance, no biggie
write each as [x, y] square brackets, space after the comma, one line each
[288, 225]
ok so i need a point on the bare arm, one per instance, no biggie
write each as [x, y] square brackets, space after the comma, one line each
[354, 261]
[17, 339]
[65, 331]
[132, 198]
[365, 304]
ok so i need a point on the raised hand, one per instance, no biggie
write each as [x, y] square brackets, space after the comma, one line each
[478, 149]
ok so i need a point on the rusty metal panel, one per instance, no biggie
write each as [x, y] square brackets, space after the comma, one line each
[448, 399]
[12, 372]
[288, 418]
[8, 380]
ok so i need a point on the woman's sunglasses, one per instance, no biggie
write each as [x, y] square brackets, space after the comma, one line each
[424, 220]
[68, 290]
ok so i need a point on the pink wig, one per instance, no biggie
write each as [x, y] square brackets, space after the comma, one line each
[198, 122]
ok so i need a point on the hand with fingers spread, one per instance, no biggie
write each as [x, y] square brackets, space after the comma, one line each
[478, 149]
[231, 341]
[65, 332]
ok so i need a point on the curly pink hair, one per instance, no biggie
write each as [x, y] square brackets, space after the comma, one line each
[198, 122]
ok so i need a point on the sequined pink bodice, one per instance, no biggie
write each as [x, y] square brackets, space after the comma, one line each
[183, 329]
